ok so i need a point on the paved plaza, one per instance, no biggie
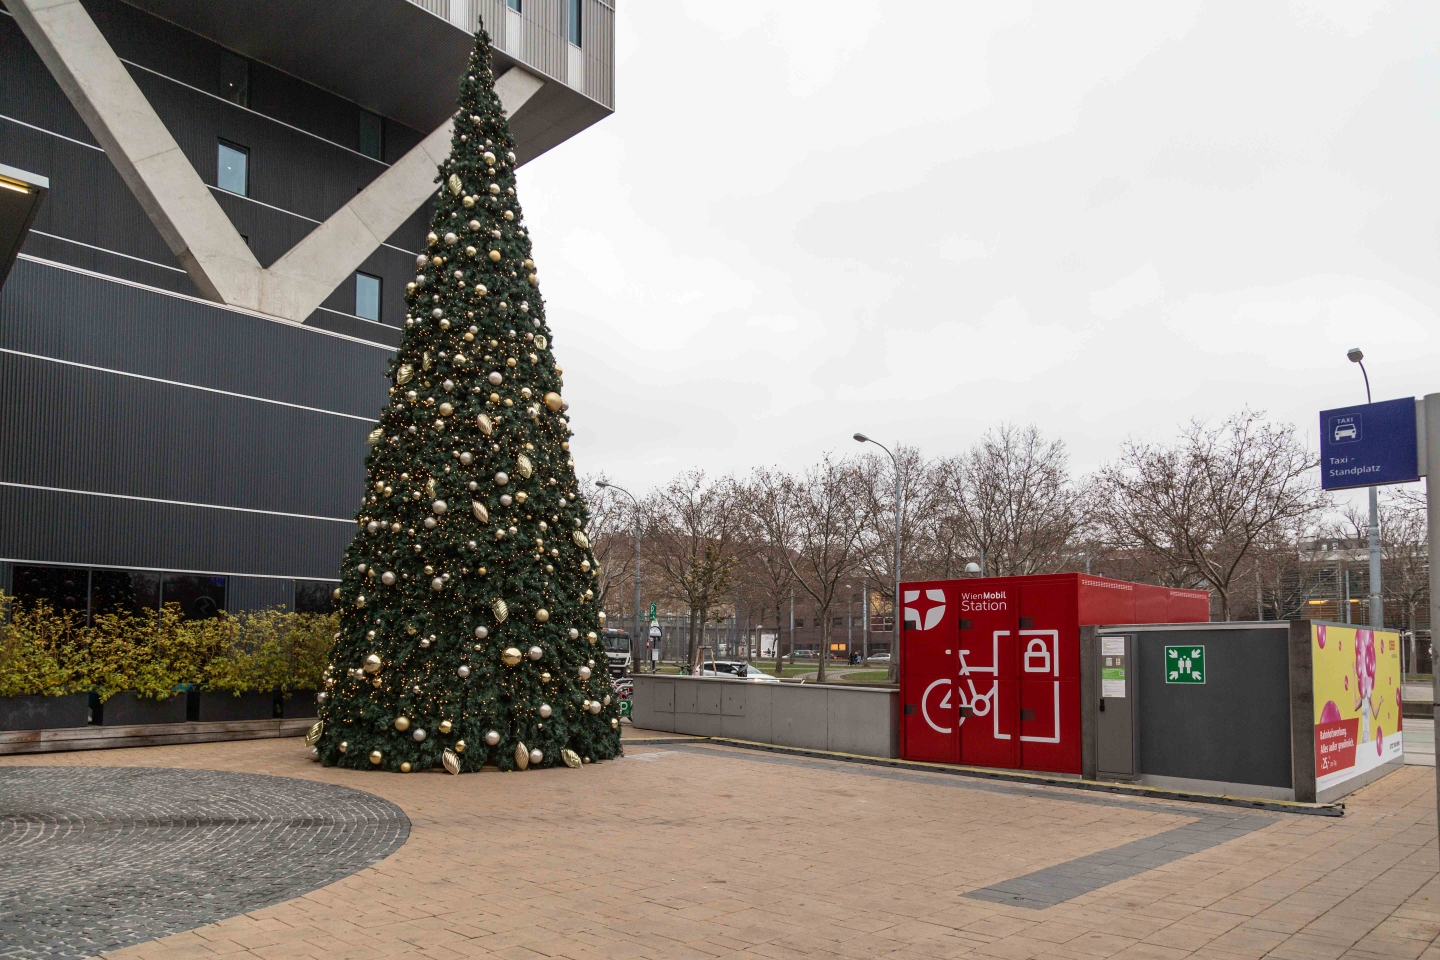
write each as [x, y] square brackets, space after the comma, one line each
[691, 850]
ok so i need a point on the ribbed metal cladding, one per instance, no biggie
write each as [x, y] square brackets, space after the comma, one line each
[47, 527]
[598, 33]
[79, 429]
[259, 593]
[544, 43]
[53, 312]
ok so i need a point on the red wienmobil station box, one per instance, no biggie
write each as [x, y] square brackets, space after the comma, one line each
[990, 667]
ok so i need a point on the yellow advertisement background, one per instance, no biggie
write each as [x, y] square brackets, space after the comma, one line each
[1335, 679]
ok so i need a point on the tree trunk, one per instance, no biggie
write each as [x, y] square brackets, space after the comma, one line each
[779, 662]
[697, 643]
[824, 644]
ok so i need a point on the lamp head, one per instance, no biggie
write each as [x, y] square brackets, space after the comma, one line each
[1355, 354]
[972, 567]
[601, 484]
[861, 438]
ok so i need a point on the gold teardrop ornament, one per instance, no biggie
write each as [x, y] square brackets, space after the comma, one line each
[524, 467]
[522, 756]
[375, 436]
[455, 185]
[430, 487]
[483, 422]
[500, 608]
[571, 758]
[451, 761]
[581, 541]
[425, 360]
[312, 737]
[481, 514]
[405, 374]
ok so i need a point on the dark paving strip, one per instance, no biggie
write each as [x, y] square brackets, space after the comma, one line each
[97, 858]
[1063, 881]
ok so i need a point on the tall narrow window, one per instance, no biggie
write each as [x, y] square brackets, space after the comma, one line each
[232, 168]
[367, 296]
[372, 135]
[513, 5]
[575, 22]
[234, 78]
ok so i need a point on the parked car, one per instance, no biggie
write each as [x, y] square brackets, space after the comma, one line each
[880, 656]
[735, 670]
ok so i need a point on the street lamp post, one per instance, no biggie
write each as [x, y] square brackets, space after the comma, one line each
[1377, 603]
[634, 637]
[899, 512]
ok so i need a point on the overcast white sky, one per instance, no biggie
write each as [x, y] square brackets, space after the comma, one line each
[807, 219]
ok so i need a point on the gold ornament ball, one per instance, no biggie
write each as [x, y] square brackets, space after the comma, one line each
[459, 746]
[372, 664]
[545, 677]
[376, 756]
[445, 726]
[402, 724]
[405, 767]
[614, 724]
[511, 656]
[542, 615]
[344, 745]
[494, 256]
[553, 401]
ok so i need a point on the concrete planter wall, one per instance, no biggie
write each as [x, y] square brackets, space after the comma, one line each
[127, 709]
[44, 713]
[860, 720]
[212, 706]
[298, 704]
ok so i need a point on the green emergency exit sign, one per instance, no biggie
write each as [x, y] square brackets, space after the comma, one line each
[1185, 664]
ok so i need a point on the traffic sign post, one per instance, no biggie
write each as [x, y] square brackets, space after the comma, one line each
[1395, 441]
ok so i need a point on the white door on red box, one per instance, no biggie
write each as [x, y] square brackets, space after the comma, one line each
[987, 675]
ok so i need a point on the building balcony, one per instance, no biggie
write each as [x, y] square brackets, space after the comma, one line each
[402, 58]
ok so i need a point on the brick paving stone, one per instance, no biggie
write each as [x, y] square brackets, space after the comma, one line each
[702, 851]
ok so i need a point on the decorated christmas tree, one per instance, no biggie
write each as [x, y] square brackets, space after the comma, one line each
[469, 631]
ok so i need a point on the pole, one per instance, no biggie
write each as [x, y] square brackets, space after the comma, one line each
[1377, 602]
[899, 513]
[1432, 511]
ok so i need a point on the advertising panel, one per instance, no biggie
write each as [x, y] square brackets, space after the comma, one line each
[1356, 672]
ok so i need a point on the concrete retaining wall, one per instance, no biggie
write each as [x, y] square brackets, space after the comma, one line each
[860, 720]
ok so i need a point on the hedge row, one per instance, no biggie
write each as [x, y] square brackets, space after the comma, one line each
[49, 653]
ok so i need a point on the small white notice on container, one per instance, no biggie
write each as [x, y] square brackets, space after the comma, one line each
[1113, 688]
[1112, 646]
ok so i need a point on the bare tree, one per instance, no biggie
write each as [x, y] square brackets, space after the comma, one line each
[1201, 505]
[1011, 496]
[827, 516]
[694, 530]
[875, 475]
[611, 530]
[769, 501]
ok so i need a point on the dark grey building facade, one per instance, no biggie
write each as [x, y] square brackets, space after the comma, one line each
[178, 422]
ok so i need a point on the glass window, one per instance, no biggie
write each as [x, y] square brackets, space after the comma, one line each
[575, 22]
[314, 596]
[372, 135]
[799, 623]
[59, 588]
[367, 296]
[123, 591]
[233, 169]
[234, 78]
[200, 597]
[513, 5]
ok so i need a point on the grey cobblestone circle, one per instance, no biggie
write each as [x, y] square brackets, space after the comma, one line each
[95, 859]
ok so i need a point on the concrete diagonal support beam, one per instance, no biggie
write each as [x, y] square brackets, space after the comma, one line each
[180, 204]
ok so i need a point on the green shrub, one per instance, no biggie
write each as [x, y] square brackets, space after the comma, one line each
[49, 653]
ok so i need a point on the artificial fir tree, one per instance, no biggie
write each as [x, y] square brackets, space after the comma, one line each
[468, 623]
